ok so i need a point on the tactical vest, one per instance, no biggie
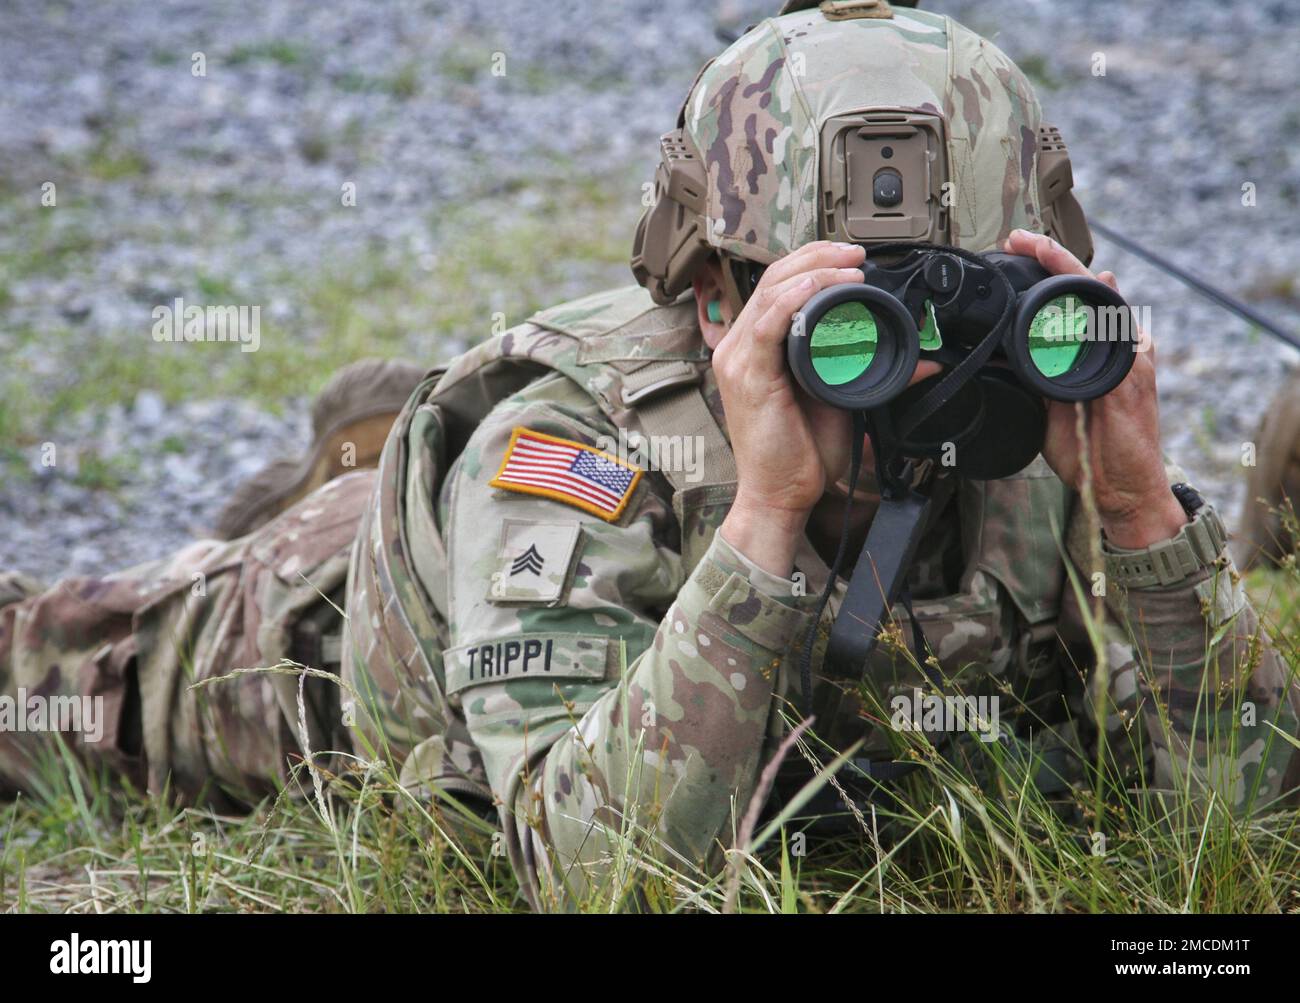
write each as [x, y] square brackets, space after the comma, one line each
[647, 367]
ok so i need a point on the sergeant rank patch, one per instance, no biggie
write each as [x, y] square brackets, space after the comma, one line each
[567, 471]
[535, 562]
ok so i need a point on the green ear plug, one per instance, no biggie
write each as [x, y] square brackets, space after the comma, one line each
[714, 310]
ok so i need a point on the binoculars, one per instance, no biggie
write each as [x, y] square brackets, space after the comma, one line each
[855, 346]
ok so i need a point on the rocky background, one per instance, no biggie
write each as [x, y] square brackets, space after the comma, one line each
[482, 192]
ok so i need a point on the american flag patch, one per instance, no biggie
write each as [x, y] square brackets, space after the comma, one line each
[567, 471]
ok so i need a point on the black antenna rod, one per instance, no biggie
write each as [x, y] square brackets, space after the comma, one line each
[1229, 303]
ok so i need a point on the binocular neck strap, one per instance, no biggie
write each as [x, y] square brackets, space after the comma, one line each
[879, 578]
[855, 469]
[960, 374]
[880, 575]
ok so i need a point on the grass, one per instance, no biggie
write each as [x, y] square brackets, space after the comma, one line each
[109, 162]
[83, 845]
[80, 842]
[565, 237]
[275, 51]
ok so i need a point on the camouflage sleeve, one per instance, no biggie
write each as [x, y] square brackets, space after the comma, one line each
[621, 708]
[1196, 672]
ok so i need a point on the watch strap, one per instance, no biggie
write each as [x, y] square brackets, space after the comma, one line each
[1197, 546]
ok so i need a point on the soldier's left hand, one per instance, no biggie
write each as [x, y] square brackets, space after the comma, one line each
[1129, 482]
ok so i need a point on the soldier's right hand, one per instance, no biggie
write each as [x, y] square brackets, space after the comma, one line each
[788, 447]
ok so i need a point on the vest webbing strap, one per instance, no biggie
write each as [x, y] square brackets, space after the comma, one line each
[678, 410]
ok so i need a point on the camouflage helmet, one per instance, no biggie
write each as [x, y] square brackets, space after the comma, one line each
[762, 159]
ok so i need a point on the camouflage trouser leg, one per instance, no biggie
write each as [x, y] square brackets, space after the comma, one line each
[109, 663]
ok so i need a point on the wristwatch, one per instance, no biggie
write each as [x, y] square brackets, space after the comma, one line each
[1196, 547]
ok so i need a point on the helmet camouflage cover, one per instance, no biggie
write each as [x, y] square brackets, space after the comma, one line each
[743, 171]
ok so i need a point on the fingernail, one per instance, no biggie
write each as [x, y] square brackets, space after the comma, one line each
[807, 283]
[847, 247]
[855, 272]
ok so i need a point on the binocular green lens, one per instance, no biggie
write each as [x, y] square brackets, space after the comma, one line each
[1057, 335]
[843, 343]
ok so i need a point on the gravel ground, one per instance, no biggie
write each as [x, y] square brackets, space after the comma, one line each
[237, 174]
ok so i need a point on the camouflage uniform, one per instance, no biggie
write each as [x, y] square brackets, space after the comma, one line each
[632, 677]
[140, 638]
[672, 656]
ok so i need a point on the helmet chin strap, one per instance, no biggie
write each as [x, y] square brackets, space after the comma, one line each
[736, 296]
